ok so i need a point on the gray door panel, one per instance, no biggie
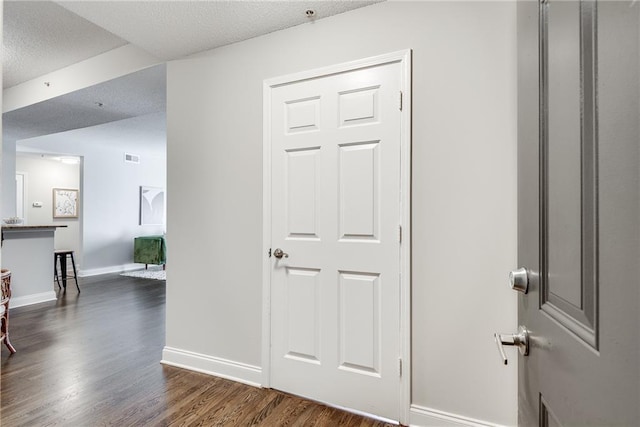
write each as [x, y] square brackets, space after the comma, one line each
[579, 211]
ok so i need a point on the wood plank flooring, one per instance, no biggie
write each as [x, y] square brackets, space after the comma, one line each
[92, 359]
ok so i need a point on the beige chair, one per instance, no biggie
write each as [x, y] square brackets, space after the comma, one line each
[4, 309]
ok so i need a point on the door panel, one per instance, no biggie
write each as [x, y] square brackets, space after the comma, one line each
[579, 212]
[359, 190]
[335, 297]
[302, 192]
[568, 281]
[561, 85]
[359, 324]
[303, 314]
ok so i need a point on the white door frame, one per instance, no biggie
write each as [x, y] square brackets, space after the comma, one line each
[404, 59]
[24, 195]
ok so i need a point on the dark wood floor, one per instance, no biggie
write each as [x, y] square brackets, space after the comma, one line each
[93, 359]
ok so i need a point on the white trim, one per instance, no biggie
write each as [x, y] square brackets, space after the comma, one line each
[398, 56]
[266, 235]
[227, 369]
[111, 269]
[32, 299]
[361, 413]
[404, 58]
[427, 417]
[405, 244]
[25, 195]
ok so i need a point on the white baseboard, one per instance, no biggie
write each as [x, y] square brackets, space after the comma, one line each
[32, 299]
[111, 269]
[228, 369]
[427, 417]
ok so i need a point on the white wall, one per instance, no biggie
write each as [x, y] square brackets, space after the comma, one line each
[42, 175]
[8, 179]
[110, 187]
[464, 194]
[31, 282]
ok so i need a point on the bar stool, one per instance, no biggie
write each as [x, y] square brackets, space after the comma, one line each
[61, 254]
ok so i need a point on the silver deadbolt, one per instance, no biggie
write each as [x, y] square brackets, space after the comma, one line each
[520, 340]
[279, 253]
[519, 280]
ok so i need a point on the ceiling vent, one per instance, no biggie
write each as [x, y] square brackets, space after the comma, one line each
[131, 158]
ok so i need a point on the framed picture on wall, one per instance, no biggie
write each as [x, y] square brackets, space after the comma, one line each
[65, 203]
[151, 206]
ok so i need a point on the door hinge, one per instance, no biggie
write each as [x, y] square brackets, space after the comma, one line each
[400, 106]
[399, 233]
[399, 367]
[269, 252]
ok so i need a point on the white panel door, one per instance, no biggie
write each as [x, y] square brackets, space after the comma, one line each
[335, 295]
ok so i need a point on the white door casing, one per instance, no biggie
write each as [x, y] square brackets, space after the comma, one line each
[336, 311]
[21, 196]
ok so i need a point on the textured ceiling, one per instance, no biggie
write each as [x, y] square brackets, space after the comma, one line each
[41, 36]
[44, 36]
[147, 131]
[136, 94]
[173, 29]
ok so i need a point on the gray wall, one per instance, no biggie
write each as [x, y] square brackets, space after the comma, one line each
[110, 187]
[8, 179]
[464, 191]
[42, 175]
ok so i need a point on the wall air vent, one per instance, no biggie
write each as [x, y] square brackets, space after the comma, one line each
[131, 158]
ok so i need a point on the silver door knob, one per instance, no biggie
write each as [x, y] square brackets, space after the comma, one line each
[520, 340]
[279, 253]
[519, 280]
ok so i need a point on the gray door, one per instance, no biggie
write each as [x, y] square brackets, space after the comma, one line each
[578, 212]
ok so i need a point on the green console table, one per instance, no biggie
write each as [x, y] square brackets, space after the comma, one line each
[150, 250]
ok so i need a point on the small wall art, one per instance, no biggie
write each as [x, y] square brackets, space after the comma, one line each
[65, 203]
[151, 206]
